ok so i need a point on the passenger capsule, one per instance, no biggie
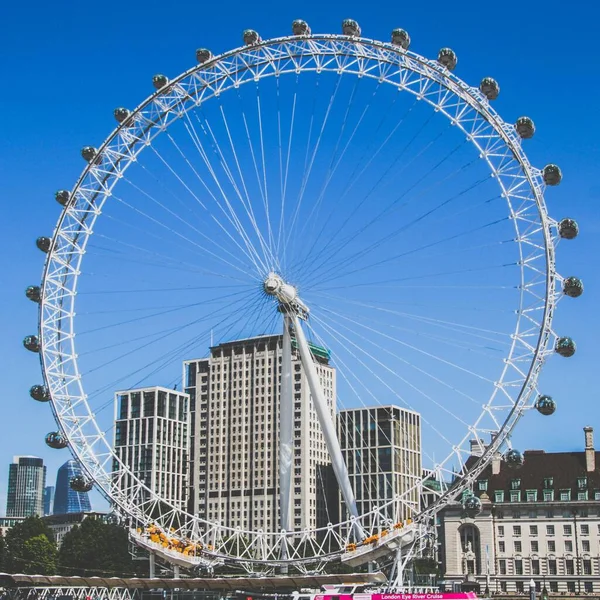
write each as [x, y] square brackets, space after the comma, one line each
[62, 197]
[401, 38]
[514, 459]
[121, 114]
[472, 506]
[572, 287]
[565, 346]
[32, 343]
[79, 483]
[447, 58]
[568, 229]
[552, 174]
[34, 293]
[159, 81]
[525, 128]
[43, 243]
[300, 27]
[350, 27]
[56, 440]
[39, 393]
[251, 37]
[89, 154]
[203, 55]
[545, 405]
[489, 88]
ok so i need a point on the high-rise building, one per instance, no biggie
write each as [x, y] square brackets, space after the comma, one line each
[48, 500]
[26, 482]
[382, 449]
[235, 398]
[66, 499]
[151, 439]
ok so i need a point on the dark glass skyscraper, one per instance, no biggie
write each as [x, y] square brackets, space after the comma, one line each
[67, 500]
[48, 499]
[26, 481]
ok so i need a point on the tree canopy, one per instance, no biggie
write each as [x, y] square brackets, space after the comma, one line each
[23, 541]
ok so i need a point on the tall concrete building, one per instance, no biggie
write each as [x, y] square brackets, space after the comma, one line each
[235, 398]
[540, 522]
[382, 449]
[66, 499]
[26, 483]
[151, 439]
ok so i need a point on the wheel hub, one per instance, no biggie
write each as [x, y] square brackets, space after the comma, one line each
[286, 294]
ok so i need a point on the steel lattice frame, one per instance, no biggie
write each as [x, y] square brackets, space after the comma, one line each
[466, 107]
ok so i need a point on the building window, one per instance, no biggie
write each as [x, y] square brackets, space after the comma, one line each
[588, 586]
[548, 482]
[535, 546]
[518, 547]
[515, 484]
[549, 529]
[585, 545]
[533, 530]
[501, 547]
[517, 530]
[501, 530]
[585, 530]
[571, 587]
[535, 567]
[565, 495]
[582, 495]
[581, 483]
[567, 530]
[531, 495]
[516, 514]
[587, 567]
[483, 485]
[551, 546]
[518, 567]
[554, 586]
[515, 495]
[570, 567]
[502, 565]
[520, 587]
[548, 495]
[596, 494]
[551, 567]
[568, 546]
[499, 496]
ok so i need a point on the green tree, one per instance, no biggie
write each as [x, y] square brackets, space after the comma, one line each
[39, 556]
[2, 553]
[16, 538]
[96, 548]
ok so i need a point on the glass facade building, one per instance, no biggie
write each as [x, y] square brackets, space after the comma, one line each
[67, 500]
[48, 499]
[26, 482]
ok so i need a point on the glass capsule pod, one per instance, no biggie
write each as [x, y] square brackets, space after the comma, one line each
[514, 459]
[350, 27]
[43, 243]
[79, 483]
[251, 37]
[565, 346]
[447, 58]
[62, 197]
[568, 229]
[525, 128]
[572, 287]
[90, 154]
[39, 393]
[300, 27]
[159, 81]
[545, 405]
[552, 175]
[472, 506]
[401, 38]
[56, 440]
[34, 293]
[32, 343]
[489, 88]
[121, 114]
[203, 55]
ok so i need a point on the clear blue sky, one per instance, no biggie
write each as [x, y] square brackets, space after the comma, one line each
[65, 66]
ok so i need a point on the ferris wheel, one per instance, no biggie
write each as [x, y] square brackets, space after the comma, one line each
[362, 205]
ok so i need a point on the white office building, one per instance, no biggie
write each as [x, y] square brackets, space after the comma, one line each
[235, 399]
[151, 439]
